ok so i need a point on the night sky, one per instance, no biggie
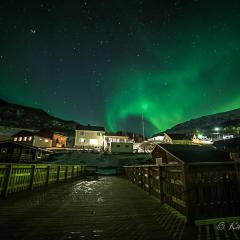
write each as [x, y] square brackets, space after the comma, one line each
[107, 62]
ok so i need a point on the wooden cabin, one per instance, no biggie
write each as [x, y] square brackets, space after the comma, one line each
[180, 154]
[14, 152]
[58, 140]
[32, 139]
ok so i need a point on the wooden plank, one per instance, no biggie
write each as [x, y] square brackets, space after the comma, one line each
[7, 180]
[32, 177]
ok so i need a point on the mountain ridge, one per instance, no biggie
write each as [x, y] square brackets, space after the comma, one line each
[20, 116]
[208, 122]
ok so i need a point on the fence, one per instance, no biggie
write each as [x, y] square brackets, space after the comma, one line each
[197, 190]
[20, 177]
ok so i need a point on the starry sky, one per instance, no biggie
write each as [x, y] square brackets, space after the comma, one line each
[110, 62]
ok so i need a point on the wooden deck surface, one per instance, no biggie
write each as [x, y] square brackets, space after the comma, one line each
[111, 208]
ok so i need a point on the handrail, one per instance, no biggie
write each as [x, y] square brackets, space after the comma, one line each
[192, 188]
[19, 177]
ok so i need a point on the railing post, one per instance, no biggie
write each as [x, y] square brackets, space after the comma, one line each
[7, 181]
[149, 182]
[58, 173]
[160, 176]
[72, 171]
[236, 168]
[32, 177]
[66, 172]
[134, 175]
[47, 177]
[189, 215]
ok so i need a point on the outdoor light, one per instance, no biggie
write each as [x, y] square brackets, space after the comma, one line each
[200, 136]
[216, 129]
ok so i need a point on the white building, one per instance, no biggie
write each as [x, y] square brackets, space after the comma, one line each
[115, 139]
[121, 147]
[178, 138]
[90, 137]
[157, 138]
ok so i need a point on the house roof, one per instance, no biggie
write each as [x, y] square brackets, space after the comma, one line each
[115, 135]
[158, 134]
[91, 128]
[195, 153]
[179, 136]
[228, 144]
[24, 133]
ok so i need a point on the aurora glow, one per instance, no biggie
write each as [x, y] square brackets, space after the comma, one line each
[106, 63]
[196, 73]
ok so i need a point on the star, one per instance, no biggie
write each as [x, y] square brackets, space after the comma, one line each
[33, 31]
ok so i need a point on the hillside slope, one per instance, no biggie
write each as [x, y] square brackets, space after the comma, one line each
[209, 122]
[17, 116]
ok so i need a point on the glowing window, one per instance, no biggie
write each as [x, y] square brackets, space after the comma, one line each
[15, 139]
[82, 140]
[25, 139]
[93, 141]
[20, 139]
[29, 138]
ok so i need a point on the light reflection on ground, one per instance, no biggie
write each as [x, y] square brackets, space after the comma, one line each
[86, 190]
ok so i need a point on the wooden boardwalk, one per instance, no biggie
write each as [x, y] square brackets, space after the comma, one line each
[111, 208]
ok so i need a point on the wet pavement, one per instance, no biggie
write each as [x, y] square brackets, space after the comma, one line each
[110, 208]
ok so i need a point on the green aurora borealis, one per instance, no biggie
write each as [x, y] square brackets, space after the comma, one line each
[197, 73]
[107, 63]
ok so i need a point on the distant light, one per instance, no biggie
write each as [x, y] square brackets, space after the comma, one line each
[216, 129]
[228, 137]
[200, 136]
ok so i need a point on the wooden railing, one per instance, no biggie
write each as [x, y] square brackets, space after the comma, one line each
[20, 177]
[199, 191]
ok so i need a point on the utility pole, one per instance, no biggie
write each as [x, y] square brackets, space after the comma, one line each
[143, 127]
[143, 132]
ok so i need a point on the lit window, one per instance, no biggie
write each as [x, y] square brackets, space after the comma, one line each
[25, 139]
[82, 140]
[93, 142]
[20, 139]
[29, 138]
[15, 139]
